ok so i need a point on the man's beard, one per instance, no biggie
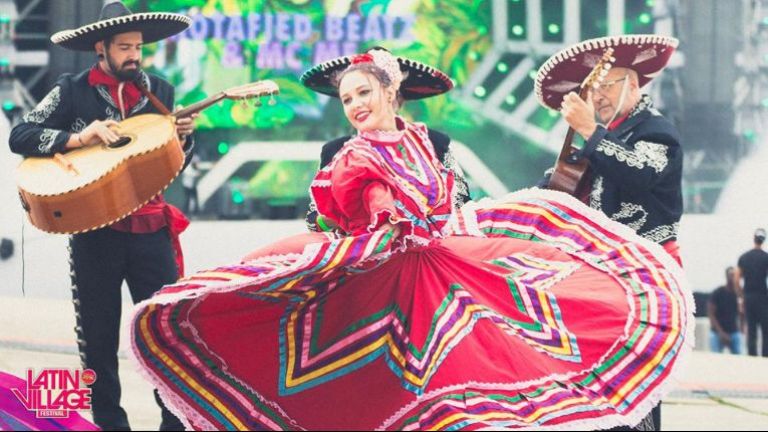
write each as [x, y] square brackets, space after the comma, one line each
[124, 74]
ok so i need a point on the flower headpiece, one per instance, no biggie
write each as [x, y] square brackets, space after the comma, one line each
[383, 60]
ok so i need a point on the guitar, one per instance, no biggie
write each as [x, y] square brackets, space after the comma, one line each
[91, 187]
[571, 172]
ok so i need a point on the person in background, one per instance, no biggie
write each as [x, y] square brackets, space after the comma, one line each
[189, 179]
[753, 268]
[726, 320]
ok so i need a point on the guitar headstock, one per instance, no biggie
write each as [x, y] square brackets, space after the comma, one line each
[253, 90]
[600, 70]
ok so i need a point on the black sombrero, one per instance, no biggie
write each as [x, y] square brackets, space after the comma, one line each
[646, 54]
[420, 81]
[115, 18]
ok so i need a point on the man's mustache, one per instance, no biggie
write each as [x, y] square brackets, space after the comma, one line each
[131, 63]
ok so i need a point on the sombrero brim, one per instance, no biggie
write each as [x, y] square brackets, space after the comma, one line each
[565, 71]
[154, 26]
[421, 81]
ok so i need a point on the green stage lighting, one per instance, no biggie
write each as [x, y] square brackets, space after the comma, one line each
[749, 134]
[237, 197]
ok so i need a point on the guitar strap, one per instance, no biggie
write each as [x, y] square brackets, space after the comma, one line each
[152, 98]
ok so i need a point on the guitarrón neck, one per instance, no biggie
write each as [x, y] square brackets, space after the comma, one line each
[198, 106]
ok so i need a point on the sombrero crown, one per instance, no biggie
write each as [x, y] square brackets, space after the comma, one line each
[418, 79]
[116, 18]
[565, 71]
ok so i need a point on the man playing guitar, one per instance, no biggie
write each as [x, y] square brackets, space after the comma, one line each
[633, 153]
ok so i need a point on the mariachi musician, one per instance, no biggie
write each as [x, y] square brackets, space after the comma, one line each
[142, 249]
[633, 153]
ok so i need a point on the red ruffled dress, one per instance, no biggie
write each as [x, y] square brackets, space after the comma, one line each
[528, 311]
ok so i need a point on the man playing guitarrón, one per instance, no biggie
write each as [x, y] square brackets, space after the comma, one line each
[142, 249]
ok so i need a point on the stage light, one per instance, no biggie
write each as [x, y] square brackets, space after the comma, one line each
[502, 67]
[650, 3]
[480, 91]
[9, 105]
[518, 30]
[644, 18]
[223, 148]
[749, 134]
[532, 74]
[553, 28]
[764, 103]
[5, 68]
[4, 19]
[237, 197]
[510, 100]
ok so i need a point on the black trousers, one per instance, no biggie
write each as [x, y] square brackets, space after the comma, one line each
[101, 260]
[756, 307]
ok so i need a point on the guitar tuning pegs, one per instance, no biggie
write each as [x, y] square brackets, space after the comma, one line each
[603, 73]
[244, 103]
[272, 100]
[613, 59]
[257, 102]
[607, 66]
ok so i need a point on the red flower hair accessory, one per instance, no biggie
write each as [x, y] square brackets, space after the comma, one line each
[362, 58]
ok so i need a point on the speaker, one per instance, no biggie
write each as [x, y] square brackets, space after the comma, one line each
[711, 34]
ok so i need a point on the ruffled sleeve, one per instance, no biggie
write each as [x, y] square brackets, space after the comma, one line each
[356, 191]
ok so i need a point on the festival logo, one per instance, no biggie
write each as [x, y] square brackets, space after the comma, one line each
[53, 393]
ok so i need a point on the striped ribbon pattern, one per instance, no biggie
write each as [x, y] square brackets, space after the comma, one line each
[620, 388]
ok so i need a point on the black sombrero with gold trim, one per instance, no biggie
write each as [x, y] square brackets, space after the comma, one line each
[116, 18]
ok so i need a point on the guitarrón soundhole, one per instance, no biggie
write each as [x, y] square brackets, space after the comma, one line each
[121, 142]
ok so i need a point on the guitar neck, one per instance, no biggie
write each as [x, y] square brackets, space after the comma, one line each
[199, 106]
[567, 148]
